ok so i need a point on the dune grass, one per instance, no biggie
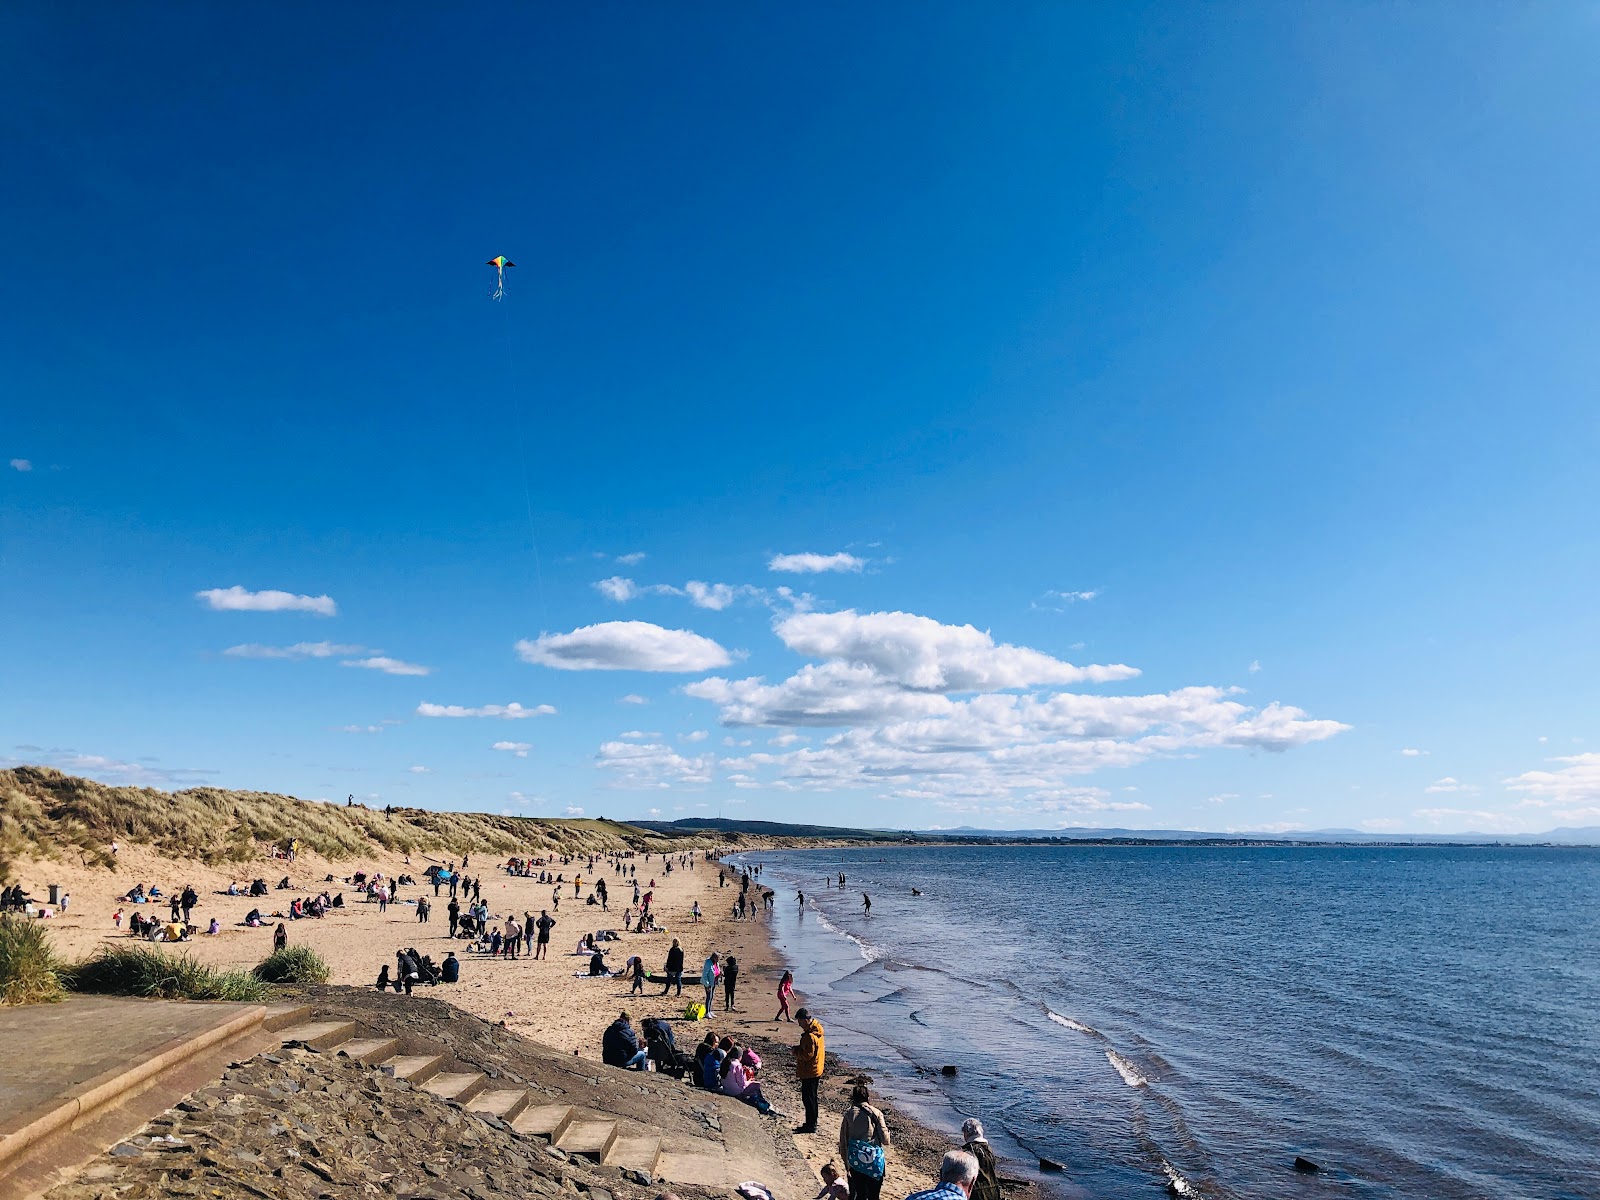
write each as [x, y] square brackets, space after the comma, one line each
[154, 973]
[47, 814]
[292, 964]
[29, 970]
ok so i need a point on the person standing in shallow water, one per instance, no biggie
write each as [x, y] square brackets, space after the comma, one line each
[866, 904]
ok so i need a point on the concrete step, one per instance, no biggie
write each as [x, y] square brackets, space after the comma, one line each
[638, 1153]
[369, 1050]
[503, 1103]
[544, 1120]
[459, 1086]
[321, 1035]
[414, 1068]
[281, 1016]
[590, 1136]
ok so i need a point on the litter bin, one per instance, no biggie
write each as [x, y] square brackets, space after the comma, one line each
[55, 893]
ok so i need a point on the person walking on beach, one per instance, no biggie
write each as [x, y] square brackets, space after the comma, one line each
[866, 904]
[546, 923]
[957, 1174]
[863, 1144]
[730, 980]
[709, 971]
[785, 990]
[987, 1185]
[674, 968]
[809, 1057]
[694, 912]
[800, 898]
[452, 910]
[280, 938]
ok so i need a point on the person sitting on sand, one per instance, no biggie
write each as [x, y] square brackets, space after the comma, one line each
[383, 979]
[711, 1065]
[619, 1046]
[833, 1188]
[597, 965]
[450, 969]
[738, 1081]
[215, 927]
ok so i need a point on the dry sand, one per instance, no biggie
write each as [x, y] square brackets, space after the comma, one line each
[546, 1000]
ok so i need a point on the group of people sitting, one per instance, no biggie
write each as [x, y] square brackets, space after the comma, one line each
[729, 1068]
[412, 968]
[314, 906]
[14, 899]
[258, 887]
[152, 929]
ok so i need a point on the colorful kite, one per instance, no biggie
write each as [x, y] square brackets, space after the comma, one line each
[499, 262]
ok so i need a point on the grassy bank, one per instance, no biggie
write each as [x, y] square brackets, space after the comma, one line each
[47, 814]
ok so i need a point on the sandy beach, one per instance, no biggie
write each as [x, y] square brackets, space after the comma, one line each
[552, 1000]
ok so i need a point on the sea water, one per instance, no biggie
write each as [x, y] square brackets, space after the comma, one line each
[1416, 1021]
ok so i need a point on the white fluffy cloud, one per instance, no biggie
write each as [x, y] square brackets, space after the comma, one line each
[1413, 752]
[920, 653]
[572, 810]
[814, 564]
[633, 698]
[653, 765]
[507, 712]
[624, 646]
[238, 599]
[1572, 791]
[298, 650]
[927, 711]
[389, 666]
[21, 464]
[617, 588]
[1448, 784]
[520, 749]
[633, 559]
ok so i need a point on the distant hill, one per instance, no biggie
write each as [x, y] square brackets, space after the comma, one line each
[728, 827]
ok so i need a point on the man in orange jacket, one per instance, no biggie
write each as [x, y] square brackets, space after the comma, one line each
[809, 1057]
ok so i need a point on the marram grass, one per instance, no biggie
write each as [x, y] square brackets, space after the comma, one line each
[148, 971]
[292, 964]
[29, 971]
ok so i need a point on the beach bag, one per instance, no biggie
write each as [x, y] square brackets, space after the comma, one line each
[865, 1157]
[694, 1011]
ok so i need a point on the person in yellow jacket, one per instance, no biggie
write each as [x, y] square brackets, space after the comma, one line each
[809, 1057]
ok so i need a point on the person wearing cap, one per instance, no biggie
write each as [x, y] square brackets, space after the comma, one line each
[619, 1047]
[809, 1058]
[957, 1173]
[987, 1186]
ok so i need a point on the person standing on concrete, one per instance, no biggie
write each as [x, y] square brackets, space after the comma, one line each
[809, 1058]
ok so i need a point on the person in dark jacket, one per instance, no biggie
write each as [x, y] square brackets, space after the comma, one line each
[730, 979]
[450, 968]
[987, 1185]
[619, 1046]
[674, 969]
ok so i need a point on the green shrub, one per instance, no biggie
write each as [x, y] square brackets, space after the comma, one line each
[28, 966]
[148, 971]
[292, 964]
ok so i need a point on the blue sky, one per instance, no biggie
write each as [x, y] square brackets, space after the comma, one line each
[1249, 348]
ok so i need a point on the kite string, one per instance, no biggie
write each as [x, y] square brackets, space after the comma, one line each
[522, 459]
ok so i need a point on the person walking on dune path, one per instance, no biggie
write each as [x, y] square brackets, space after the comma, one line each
[809, 1058]
[863, 1143]
[785, 990]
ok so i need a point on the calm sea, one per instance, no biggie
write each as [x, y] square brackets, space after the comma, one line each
[1419, 1022]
